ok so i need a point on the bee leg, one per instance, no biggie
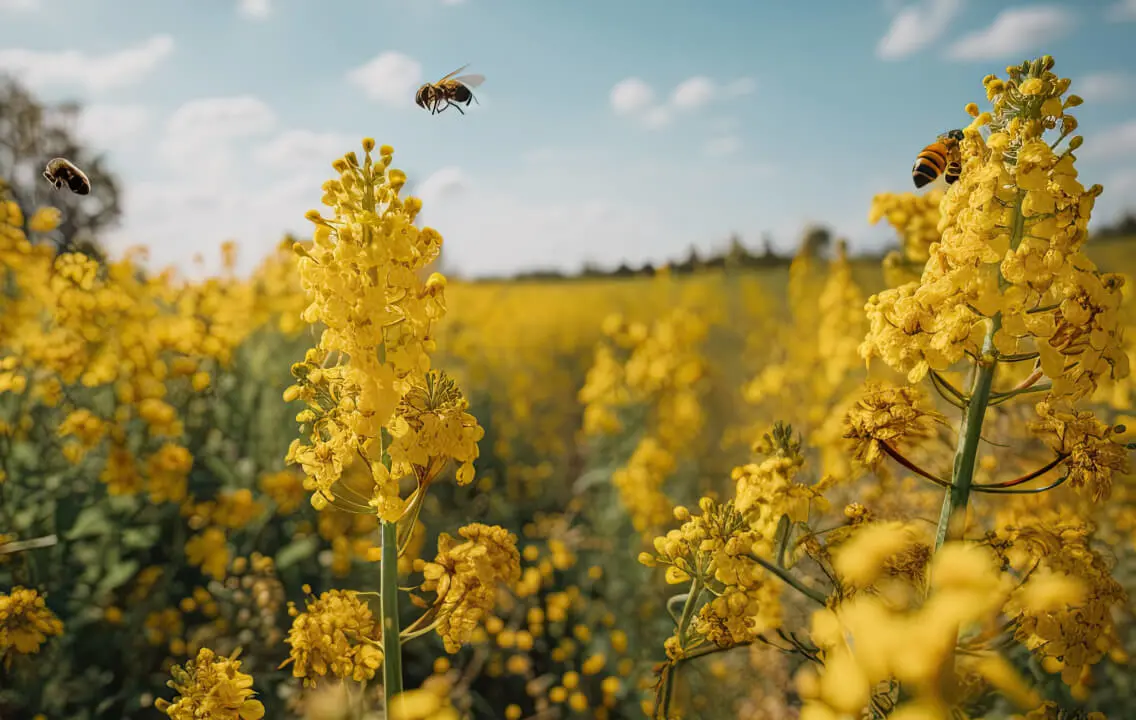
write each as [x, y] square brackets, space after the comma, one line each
[458, 108]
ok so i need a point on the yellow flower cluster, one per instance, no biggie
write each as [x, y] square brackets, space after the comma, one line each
[1010, 264]
[1094, 455]
[25, 623]
[767, 490]
[724, 549]
[915, 218]
[336, 635]
[809, 377]
[361, 273]
[884, 417]
[286, 489]
[640, 485]
[211, 687]
[429, 702]
[901, 634]
[432, 425]
[1063, 611]
[658, 367]
[465, 577]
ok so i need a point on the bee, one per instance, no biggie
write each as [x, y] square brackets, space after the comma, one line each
[448, 91]
[62, 171]
[940, 157]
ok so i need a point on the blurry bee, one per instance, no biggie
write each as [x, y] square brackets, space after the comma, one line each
[448, 91]
[940, 157]
[61, 170]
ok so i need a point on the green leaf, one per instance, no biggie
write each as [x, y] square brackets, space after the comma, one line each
[296, 551]
[140, 537]
[221, 469]
[117, 575]
[91, 521]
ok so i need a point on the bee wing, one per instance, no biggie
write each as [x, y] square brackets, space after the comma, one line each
[470, 80]
[455, 72]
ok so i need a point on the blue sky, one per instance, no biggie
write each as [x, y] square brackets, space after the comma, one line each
[607, 131]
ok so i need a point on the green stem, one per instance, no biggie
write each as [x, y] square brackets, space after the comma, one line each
[663, 707]
[952, 519]
[787, 578]
[388, 611]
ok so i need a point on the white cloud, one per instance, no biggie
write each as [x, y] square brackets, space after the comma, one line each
[693, 93]
[200, 134]
[490, 230]
[1122, 11]
[94, 73]
[1112, 142]
[916, 26]
[1104, 87]
[108, 126]
[723, 146]
[255, 9]
[631, 96]
[1014, 31]
[445, 184]
[19, 5]
[390, 78]
[304, 150]
[741, 86]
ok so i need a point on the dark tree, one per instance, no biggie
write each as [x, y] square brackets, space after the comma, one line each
[32, 133]
[816, 240]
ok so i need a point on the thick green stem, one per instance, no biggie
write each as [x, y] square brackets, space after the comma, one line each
[388, 590]
[952, 520]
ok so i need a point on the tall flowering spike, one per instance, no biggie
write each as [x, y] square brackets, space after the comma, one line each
[362, 273]
[1012, 231]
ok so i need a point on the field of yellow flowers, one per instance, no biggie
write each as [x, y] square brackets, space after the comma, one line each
[346, 488]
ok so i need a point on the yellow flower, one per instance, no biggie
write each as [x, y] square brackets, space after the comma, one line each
[336, 635]
[211, 687]
[44, 220]
[209, 551]
[286, 488]
[884, 417]
[429, 702]
[25, 623]
[465, 577]
[1093, 454]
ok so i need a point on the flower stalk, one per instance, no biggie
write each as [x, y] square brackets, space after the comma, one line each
[388, 613]
[952, 519]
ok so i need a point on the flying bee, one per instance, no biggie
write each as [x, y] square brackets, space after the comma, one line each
[940, 157]
[448, 91]
[60, 171]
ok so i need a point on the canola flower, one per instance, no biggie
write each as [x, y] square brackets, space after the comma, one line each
[1009, 283]
[25, 623]
[732, 556]
[212, 687]
[1005, 281]
[374, 401]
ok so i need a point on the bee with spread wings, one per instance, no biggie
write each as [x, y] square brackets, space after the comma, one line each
[449, 91]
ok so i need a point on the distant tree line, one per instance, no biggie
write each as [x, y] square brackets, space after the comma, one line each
[1125, 228]
[816, 240]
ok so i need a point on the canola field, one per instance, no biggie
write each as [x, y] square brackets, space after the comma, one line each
[345, 487]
